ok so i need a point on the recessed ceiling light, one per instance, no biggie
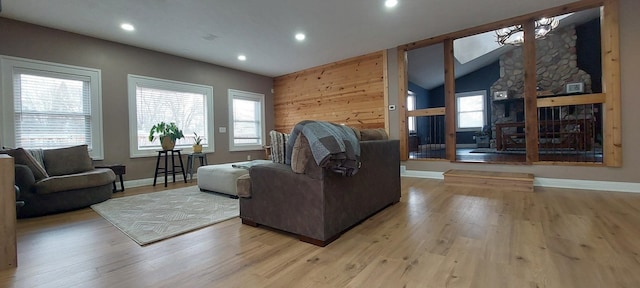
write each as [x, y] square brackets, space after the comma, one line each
[300, 36]
[391, 3]
[127, 27]
[242, 57]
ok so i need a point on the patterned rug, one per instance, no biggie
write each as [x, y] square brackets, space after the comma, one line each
[152, 217]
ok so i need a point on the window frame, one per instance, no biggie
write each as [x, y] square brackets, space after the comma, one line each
[233, 94]
[132, 83]
[9, 65]
[460, 95]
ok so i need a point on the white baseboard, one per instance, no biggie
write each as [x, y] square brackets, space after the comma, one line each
[149, 181]
[422, 174]
[546, 182]
[588, 185]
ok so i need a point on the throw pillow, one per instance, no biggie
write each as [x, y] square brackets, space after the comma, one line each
[20, 156]
[65, 161]
[373, 134]
[357, 132]
[243, 186]
[278, 146]
[37, 154]
[300, 154]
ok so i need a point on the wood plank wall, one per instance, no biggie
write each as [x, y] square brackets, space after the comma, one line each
[349, 92]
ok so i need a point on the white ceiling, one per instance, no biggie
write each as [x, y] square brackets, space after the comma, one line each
[263, 30]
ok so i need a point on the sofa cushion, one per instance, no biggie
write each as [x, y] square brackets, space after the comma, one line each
[22, 157]
[70, 160]
[278, 146]
[373, 134]
[92, 178]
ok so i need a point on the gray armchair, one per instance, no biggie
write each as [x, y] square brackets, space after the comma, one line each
[67, 181]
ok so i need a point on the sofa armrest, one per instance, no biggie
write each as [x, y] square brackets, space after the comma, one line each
[24, 178]
[281, 199]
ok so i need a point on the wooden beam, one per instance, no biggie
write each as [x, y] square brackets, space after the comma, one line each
[559, 10]
[530, 92]
[612, 147]
[385, 81]
[427, 112]
[572, 100]
[450, 100]
[611, 76]
[402, 103]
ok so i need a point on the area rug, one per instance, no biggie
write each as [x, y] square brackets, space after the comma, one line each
[152, 217]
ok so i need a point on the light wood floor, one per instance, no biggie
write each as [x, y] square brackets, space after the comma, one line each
[436, 236]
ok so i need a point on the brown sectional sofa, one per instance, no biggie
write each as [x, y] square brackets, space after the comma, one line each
[320, 205]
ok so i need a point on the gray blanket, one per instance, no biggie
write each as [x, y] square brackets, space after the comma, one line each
[248, 165]
[333, 146]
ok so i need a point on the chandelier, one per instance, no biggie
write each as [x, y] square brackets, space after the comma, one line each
[514, 35]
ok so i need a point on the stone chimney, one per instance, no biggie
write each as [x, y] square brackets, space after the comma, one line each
[556, 62]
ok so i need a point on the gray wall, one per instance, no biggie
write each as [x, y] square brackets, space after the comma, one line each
[24, 40]
[630, 73]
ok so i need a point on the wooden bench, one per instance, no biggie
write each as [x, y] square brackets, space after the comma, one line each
[487, 179]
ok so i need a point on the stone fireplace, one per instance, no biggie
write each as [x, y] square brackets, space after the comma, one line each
[556, 62]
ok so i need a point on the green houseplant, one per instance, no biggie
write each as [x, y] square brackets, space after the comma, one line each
[197, 146]
[167, 133]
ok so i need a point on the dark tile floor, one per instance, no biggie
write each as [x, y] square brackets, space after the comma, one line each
[467, 155]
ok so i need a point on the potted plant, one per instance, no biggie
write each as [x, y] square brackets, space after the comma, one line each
[197, 146]
[167, 133]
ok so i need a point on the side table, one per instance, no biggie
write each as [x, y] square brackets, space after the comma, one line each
[165, 169]
[119, 170]
[190, 160]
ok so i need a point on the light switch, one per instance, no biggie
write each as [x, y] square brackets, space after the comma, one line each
[222, 129]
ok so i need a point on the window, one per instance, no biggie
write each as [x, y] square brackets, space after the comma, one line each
[246, 113]
[471, 113]
[411, 105]
[153, 100]
[49, 105]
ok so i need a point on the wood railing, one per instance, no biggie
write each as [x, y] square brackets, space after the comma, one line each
[552, 134]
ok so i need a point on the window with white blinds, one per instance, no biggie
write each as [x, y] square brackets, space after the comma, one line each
[247, 120]
[51, 112]
[152, 101]
[53, 105]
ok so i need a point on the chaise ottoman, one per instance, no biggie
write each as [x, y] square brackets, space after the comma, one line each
[222, 178]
